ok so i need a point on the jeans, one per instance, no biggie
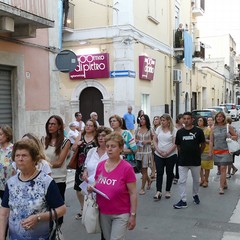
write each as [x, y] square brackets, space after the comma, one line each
[161, 163]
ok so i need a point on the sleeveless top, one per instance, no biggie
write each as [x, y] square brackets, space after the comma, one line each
[220, 135]
[58, 174]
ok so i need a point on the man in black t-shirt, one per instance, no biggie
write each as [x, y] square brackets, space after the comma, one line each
[190, 141]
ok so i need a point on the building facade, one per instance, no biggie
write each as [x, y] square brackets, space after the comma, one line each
[29, 84]
[128, 54]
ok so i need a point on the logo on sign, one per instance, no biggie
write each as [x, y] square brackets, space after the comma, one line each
[146, 67]
[91, 66]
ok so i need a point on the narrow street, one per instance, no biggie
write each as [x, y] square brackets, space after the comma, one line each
[216, 218]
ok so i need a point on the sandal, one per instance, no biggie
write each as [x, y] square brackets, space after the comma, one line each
[78, 216]
[167, 195]
[149, 185]
[142, 192]
[221, 191]
[205, 184]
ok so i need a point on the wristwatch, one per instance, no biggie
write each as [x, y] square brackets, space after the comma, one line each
[38, 217]
[133, 214]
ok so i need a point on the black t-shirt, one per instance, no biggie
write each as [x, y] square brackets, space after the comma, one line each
[189, 142]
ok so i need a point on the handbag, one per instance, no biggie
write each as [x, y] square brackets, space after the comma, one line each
[55, 231]
[138, 166]
[233, 146]
[73, 161]
[90, 216]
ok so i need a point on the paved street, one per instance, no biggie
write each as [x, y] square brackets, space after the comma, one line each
[216, 218]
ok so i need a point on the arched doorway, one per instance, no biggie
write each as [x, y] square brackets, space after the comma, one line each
[90, 100]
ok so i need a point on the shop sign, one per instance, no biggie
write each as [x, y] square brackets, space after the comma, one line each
[146, 68]
[91, 66]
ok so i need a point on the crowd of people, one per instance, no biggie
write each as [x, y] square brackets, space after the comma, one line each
[106, 159]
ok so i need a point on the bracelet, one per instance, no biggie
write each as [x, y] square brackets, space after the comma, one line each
[38, 217]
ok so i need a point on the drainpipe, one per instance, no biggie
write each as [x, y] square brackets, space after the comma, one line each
[60, 22]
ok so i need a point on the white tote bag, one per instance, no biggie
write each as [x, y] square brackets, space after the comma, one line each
[233, 145]
[90, 216]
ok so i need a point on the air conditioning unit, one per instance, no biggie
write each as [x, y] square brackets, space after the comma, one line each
[177, 75]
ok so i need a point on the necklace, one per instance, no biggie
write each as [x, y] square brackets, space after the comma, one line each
[53, 143]
[32, 176]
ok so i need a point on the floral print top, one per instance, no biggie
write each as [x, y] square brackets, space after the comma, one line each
[25, 198]
[6, 167]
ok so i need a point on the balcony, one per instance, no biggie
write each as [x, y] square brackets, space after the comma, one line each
[21, 18]
[68, 20]
[178, 45]
[199, 54]
[198, 7]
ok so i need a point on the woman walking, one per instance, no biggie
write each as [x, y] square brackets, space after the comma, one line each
[206, 161]
[130, 147]
[29, 196]
[83, 143]
[57, 149]
[143, 138]
[219, 148]
[165, 154]
[118, 213]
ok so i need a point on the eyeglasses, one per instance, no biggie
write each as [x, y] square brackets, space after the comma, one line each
[79, 115]
[89, 125]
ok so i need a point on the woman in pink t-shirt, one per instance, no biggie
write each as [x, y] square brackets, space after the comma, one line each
[116, 178]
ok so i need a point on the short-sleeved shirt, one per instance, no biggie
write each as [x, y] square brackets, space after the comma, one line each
[129, 120]
[189, 142]
[129, 143]
[114, 185]
[25, 198]
[80, 124]
[92, 161]
[165, 140]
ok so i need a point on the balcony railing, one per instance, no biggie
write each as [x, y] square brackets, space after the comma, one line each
[69, 23]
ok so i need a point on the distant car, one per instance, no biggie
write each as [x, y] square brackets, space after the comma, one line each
[221, 109]
[238, 108]
[203, 113]
[233, 110]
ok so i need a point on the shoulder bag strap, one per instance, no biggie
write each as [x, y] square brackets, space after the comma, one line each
[227, 127]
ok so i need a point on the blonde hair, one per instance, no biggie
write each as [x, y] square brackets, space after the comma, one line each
[224, 116]
[170, 121]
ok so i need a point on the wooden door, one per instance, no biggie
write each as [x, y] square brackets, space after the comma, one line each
[90, 100]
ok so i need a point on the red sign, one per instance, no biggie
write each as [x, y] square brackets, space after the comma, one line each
[146, 67]
[91, 66]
